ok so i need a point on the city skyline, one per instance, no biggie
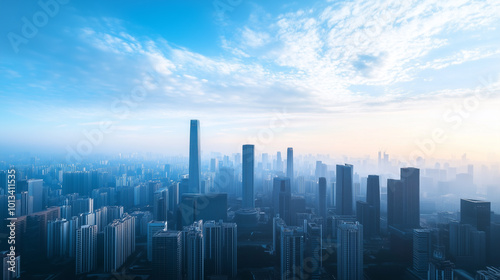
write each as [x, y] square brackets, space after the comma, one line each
[361, 67]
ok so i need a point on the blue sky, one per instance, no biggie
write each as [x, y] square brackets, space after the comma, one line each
[339, 77]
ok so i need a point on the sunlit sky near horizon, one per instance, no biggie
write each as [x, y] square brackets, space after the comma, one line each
[338, 77]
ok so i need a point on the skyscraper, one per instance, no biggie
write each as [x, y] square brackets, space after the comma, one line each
[322, 197]
[194, 157]
[476, 213]
[35, 189]
[119, 242]
[373, 198]
[365, 214]
[248, 176]
[282, 197]
[279, 163]
[220, 248]
[289, 163]
[292, 253]
[194, 207]
[395, 201]
[422, 250]
[193, 247]
[350, 251]
[153, 228]
[167, 255]
[58, 238]
[86, 242]
[410, 177]
[344, 193]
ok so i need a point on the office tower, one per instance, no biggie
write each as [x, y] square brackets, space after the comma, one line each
[82, 205]
[410, 177]
[292, 253]
[297, 207]
[213, 165]
[314, 247]
[167, 255]
[279, 163]
[322, 197]
[373, 198]
[34, 239]
[282, 195]
[194, 157]
[494, 247]
[365, 214]
[248, 177]
[194, 207]
[193, 248]
[6, 259]
[467, 245]
[86, 241]
[265, 161]
[476, 213]
[350, 251]
[161, 204]
[58, 238]
[119, 242]
[321, 169]
[183, 187]
[220, 248]
[344, 193]
[25, 204]
[173, 196]
[289, 163]
[35, 189]
[153, 228]
[395, 202]
[422, 249]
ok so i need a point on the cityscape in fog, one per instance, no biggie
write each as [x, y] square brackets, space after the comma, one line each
[250, 139]
[249, 216]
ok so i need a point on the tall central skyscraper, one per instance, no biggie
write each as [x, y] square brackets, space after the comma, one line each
[194, 157]
[247, 176]
[289, 163]
[344, 195]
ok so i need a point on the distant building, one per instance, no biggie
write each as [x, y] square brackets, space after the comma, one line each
[194, 158]
[289, 163]
[248, 177]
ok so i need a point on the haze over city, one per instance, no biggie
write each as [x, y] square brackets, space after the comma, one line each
[238, 139]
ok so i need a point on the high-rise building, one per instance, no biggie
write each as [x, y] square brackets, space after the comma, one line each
[344, 191]
[35, 189]
[476, 213]
[194, 158]
[193, 247]
[167, 255]
[292, 253]
[58, 238]
[82, 205]
[153, 228]
[279, 163]
[119, 242]
[322, 197]
[282, 195]
[395, 201]
[248, 177]
[350, 251]
[422, 250]
[441, 270]
[86, 242]
[220, 248]
[161, 203]
[314, 250]
[289, 163]
[365, 214]
[373, 198]
[410, 177]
